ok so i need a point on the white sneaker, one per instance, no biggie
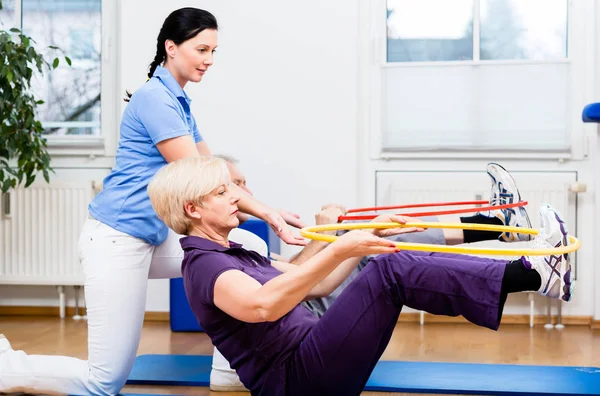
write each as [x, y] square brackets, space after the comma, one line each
[222, 377]
[225, 381]
[4, 344]
[555, 270]
[505, 191]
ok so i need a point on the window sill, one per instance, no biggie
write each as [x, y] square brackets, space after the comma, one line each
[560, 155]
[76, 145]
[492, 62]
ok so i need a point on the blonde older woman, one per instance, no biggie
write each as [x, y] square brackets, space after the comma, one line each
[250, 306]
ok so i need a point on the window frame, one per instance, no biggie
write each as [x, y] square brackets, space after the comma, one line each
[373, 61]
[105, 142]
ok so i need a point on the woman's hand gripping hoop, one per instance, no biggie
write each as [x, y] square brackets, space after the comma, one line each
[574, 244]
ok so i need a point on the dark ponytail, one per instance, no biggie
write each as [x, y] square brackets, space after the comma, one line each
[159, 58]
[181, 25]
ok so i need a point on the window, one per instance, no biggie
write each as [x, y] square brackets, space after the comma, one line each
[508, 29]
[82, 44]
[523, 29]
[72, 94]
[475, 75]
[415, 34]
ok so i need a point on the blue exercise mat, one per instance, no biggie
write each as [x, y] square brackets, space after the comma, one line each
[413, 377]
[184, 370]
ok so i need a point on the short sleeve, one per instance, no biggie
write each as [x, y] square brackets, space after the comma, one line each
[201, 272]
[161, 115]
[197, 136]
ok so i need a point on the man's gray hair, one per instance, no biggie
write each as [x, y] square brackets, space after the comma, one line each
[227, 158]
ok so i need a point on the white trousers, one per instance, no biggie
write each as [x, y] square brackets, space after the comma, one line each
[116, 268]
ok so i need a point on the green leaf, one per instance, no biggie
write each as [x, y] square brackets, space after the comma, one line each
[6, 185]
[53, 47]
[55, 63]
[11, 171]
[15, 30]
[68, 60]
[29, 121]
[9, 76]
[30, 179]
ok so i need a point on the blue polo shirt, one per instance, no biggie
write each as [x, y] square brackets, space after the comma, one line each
[159, 110]
[257, 351]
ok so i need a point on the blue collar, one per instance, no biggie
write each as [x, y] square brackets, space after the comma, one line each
[172, 85]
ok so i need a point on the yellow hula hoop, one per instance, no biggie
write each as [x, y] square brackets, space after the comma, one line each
[312, 232]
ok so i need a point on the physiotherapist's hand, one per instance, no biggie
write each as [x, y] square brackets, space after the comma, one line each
[391, 218]
[292, 219]
[280, 227]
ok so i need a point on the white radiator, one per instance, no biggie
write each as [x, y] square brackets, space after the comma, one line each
[39, 230]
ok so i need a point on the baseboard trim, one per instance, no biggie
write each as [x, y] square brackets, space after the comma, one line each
[157, 316]
[36, 311]
[70, 311]
[411, 317]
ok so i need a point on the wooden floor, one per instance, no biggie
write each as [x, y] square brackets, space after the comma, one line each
[515, 344]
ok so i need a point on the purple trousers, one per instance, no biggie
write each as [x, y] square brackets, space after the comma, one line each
[340, 352]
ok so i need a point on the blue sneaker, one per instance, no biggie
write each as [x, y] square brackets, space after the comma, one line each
[505, 191]
[555, 270]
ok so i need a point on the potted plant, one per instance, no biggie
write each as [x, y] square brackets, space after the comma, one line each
[23, 149]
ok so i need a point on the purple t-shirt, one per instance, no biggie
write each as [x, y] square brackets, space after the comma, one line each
[257, 351]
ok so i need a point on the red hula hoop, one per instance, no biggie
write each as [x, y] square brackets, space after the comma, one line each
[432, 213]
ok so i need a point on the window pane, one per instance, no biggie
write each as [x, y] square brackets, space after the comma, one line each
[71, 94]
[7, 15]
[487, 107]
[429, 30]
[523, 29]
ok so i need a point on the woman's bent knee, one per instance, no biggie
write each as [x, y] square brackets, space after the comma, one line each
[107, 382]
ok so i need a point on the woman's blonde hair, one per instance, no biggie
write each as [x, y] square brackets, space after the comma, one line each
[186, 180]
